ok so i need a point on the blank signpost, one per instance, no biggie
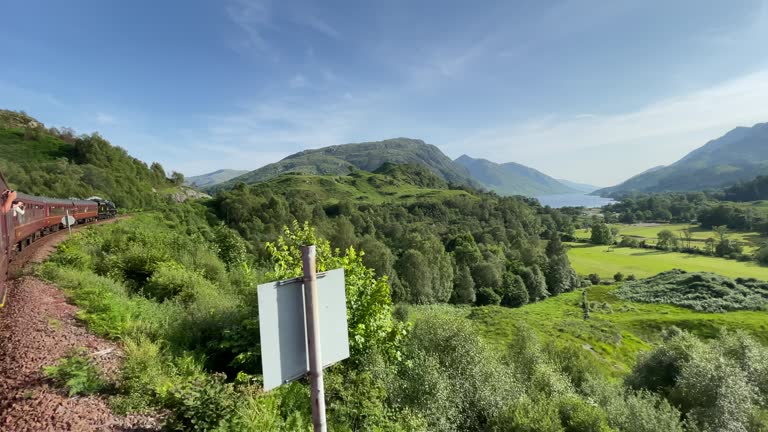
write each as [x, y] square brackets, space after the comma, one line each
[303, 328]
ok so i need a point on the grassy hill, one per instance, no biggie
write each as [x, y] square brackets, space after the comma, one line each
[739, 155]
[369, 156]
[213, 178]
[394, 183]
[512, 178]
[57, 163]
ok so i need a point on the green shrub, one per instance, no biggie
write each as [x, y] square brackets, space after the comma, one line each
[73, 256]
[487, 296]
[171, 280]
[618, 277]
[200, 404]
[594, 278]
[77, 373]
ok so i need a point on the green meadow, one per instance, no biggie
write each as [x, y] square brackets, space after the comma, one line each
[616, 331]
[750, 240]
[607, 261]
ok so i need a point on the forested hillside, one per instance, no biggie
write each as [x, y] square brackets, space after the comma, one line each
[739, 155]
[59, 163]
[433, 243]
[369, 156]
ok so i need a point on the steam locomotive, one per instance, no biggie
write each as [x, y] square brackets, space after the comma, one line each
[26, 218]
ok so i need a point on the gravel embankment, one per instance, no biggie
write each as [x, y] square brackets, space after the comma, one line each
[37, 328]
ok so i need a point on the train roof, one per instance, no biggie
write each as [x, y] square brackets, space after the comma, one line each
[20, 196]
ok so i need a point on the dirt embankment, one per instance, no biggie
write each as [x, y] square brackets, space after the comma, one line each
[38, 327]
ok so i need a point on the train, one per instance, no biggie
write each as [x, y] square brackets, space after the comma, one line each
[26, 218]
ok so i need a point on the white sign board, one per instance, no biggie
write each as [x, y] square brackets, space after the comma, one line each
[282, 326]
[68, 221]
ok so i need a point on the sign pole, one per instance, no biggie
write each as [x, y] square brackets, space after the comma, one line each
[313, 338]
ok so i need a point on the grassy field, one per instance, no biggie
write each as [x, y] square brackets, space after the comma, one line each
[750, 240]
[588, 259]
[616, 333]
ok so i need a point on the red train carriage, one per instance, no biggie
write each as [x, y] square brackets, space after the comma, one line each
[25, 218]
[44, 215]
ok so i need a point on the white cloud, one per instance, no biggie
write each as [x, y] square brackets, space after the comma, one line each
[610, 148]
[105, 118]
[298, 81]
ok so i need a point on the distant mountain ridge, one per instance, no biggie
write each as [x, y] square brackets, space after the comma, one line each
[368, 156]
[739, 155]
[512, 178]
[213, 178]
[581, 187]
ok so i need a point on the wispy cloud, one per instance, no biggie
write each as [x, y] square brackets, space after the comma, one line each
[105, 118]
[627, 143]
[298, 81]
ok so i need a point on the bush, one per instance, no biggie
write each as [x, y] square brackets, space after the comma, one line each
[594, 278]
[170, 280]
[707, 292]
[488, 297]
[200, 404]
[618, 277]
[77, 373]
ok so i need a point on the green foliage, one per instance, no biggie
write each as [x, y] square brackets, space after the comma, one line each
[450, 377]
[514, 294]
[718, 386]
[618, 277]
[77, 373]
[699, 291]
[200, 404]
[463, 287]
[488, 296]
[369, 306]
[601, 234]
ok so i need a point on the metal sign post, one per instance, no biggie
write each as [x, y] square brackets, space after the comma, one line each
[296, 318]
[312, 312]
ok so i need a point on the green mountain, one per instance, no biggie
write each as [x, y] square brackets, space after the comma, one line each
[368, 156]
[512, 178]
[213, 178]
[739, 155]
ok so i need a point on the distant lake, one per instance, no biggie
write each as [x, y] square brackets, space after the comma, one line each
[574, 200]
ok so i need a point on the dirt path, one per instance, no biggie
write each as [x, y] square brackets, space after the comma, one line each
[38, 327]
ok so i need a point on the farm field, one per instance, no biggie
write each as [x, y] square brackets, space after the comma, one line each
[649, 233]
[588, 259]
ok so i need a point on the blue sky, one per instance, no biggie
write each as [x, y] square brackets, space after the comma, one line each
[591, 91]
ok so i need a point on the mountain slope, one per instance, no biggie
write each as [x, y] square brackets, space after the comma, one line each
[369, 156]
[739, 155]
[213, 178]
[512, 178]
[580, 187]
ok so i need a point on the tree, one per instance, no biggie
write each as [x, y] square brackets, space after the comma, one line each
[618, 277]
[667, 239]
[721, 231]
[465, 250]
[415, 275]
[601, 234]
[487, 296]
[369, 307]
[594, 278]
[535, 283]
[486, 275]
[177, 178]
[463, 287]
[514, 292]
[559, 275]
